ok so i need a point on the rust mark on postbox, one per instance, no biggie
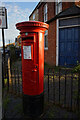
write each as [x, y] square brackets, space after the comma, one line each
[32, 48]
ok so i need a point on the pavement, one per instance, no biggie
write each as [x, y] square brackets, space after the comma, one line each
[14, 110]
[0, 86]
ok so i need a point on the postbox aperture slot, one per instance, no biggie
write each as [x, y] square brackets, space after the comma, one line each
[28, 52]
[28, 38]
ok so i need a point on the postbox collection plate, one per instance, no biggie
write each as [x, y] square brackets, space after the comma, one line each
[27, 52]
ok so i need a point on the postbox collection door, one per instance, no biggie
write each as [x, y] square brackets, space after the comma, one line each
[30, 68]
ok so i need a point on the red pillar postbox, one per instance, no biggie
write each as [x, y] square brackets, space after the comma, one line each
[32, 47]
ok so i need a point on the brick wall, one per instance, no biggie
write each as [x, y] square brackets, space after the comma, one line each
[51, 10]
[66, 5]
[41, 12]
[50, 54]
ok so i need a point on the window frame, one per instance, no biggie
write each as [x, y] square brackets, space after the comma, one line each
[58, 7]
[45, 12]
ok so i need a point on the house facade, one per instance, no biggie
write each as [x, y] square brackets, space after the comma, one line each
[61, 41]
[34, 15]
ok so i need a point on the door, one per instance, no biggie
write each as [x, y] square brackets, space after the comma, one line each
[30, 65]
[69, 46]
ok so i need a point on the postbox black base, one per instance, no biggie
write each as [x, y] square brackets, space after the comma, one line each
[33, 105]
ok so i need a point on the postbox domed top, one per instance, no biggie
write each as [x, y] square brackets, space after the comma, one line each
[32, 25]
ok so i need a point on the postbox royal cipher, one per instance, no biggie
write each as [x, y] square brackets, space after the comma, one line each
[32, 48]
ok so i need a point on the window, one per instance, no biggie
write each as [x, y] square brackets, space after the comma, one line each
[69, 22]
[46, 40]
[37, 11]
[45, 12]
[58, 6]
[33, 17]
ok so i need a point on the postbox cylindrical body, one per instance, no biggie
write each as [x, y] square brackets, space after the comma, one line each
[32, 48]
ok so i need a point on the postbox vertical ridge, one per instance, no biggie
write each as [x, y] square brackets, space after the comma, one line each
[41, 62]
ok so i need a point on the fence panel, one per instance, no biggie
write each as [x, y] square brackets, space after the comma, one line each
[63, 88]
